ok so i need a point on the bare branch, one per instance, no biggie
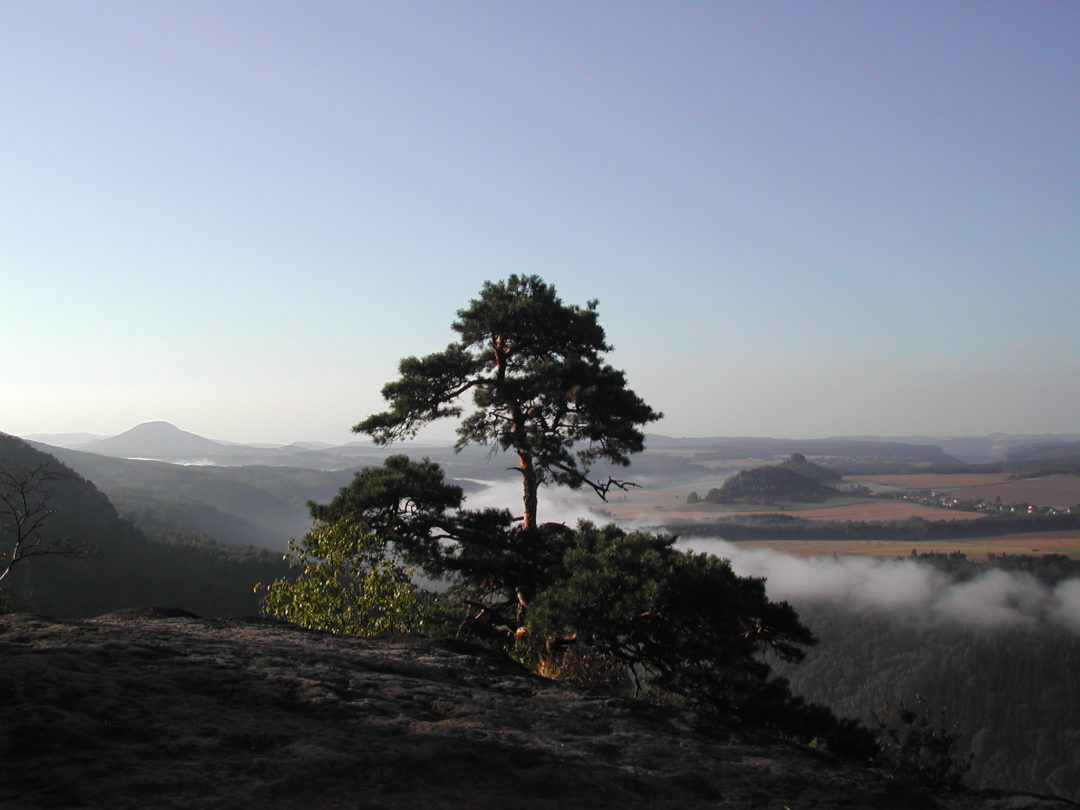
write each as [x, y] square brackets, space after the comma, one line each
[26, 496]
[601, 488]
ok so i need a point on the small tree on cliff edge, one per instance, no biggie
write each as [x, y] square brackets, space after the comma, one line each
[540, 388]
[26, 504]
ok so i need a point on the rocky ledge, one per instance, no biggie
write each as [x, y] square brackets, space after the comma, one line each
[158, 709]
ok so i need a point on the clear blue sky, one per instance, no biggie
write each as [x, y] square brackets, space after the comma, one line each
[801, 219]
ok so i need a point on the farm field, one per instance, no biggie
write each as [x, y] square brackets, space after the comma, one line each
[1051, 490]
[942, 481]
[661, 505]
[872, 509]
[978, 549]
[1060, 491]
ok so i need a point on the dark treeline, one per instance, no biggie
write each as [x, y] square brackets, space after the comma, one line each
[131, 569]
[787, 527]
[1035, 468]
[1048, 568]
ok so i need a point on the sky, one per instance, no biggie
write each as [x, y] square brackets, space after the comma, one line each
[800, 219]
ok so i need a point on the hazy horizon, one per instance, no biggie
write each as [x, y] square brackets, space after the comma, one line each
[75, 439]
[800, 220]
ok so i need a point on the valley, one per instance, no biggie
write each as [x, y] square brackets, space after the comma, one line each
[264, 504]
[199, 536]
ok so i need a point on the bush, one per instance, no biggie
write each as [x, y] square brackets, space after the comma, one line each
[920, 750]
[348, 584]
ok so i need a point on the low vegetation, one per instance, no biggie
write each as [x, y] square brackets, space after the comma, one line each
[921, 748]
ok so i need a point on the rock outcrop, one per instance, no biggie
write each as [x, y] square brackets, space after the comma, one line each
[160, 709]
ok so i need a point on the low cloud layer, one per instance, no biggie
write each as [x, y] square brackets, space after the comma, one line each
[908, 588]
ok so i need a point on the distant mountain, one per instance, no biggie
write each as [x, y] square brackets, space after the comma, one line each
[978, 449]
[936, 451]
[310, 445]
[840, 453]
[1043, 451]
[154, 440]
[163, 441]
[64, 439]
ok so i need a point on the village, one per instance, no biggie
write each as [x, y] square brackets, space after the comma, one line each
[993, 506]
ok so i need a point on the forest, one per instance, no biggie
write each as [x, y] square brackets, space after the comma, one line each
[1010, 692]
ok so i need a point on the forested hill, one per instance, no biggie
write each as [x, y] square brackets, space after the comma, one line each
[125, 568]
[769, 485]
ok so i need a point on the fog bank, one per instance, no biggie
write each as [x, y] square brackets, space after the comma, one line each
[906, 588]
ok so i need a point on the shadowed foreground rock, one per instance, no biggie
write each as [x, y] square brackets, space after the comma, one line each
[151, 709]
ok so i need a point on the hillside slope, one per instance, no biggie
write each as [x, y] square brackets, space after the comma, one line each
[125, 567]
[178, 712]
[261, 506]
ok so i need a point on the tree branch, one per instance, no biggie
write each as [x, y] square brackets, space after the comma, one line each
[601, 488]
[25, 505]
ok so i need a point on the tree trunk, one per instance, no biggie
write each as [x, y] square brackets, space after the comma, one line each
[529, 485]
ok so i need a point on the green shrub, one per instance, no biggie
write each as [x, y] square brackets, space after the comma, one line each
[349, 584]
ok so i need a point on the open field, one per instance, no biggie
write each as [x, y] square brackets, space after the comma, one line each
[1051, 490]
[876, 510]
[1036, 543]
[942, 481]
[1060, 491]
[663, 505]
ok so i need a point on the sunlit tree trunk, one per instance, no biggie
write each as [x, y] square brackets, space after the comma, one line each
[529, 486]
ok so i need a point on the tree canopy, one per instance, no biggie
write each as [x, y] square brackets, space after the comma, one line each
[685, 622]
[540, 388]
[404, 502]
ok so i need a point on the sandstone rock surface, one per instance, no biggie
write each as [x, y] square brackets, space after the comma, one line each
[155, 709]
